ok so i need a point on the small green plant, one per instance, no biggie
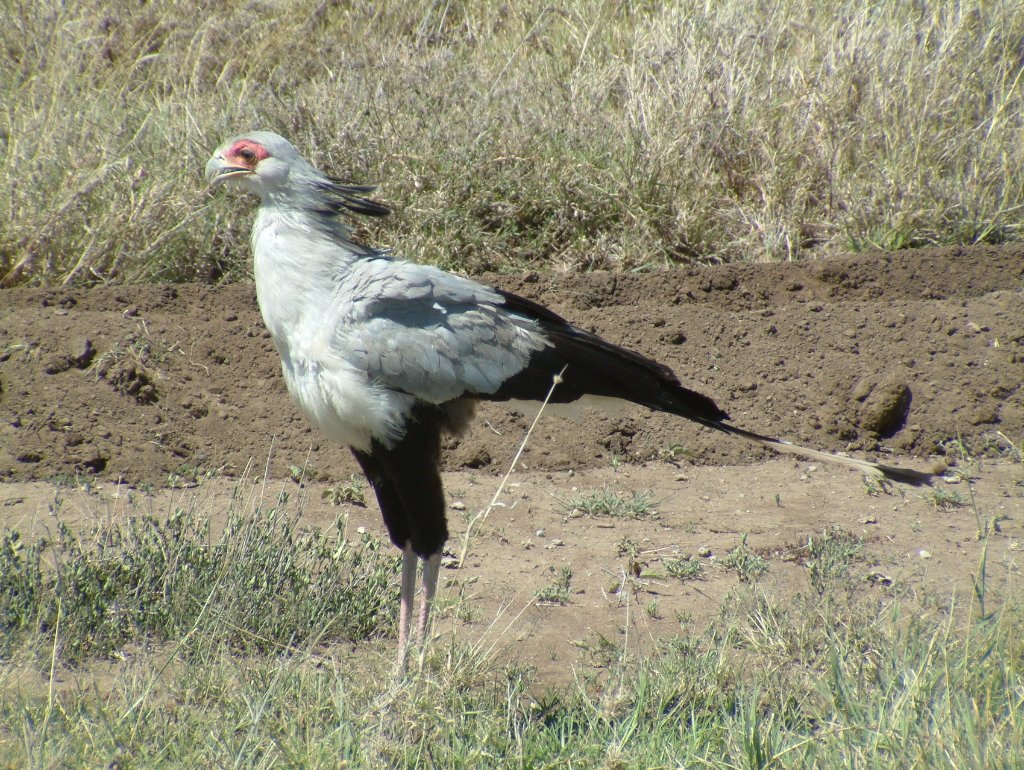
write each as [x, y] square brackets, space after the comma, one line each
[630, 549]
[602, 651]
[186, 475]
[351, 491]
[684, 569]
[742, 560]
[674, 452]
[72, 481]
[875, 484]
[54, 506]
[944, 500]
[608, 502]
[829, 557]
[627, 547]
[980, 580]
[556, 592]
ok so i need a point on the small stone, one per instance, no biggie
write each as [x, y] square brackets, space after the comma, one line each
[924, 554]
[458, 505]
[704, 552]
[539, 533]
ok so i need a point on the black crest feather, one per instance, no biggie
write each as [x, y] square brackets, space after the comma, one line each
[345, 196]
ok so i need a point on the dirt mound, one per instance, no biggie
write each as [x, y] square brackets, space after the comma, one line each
[884, 353]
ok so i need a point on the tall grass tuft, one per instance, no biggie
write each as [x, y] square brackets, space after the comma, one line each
[591, 135]
[263, 585]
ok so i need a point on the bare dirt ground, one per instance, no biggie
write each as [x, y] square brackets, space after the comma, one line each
[894, 356]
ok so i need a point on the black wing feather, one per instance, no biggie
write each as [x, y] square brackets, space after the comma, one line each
[596, 367]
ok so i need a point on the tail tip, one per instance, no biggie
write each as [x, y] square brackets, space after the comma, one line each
[909, 476]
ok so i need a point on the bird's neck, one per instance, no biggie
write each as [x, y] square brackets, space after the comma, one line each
[300, 258]
[304, 240]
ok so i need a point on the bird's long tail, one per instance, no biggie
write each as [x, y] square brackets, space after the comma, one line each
[905, 475]
[592, 366]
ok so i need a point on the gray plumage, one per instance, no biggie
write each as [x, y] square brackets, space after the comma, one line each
[428, 333]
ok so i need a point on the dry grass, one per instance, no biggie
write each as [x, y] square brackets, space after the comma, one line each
[600, 135]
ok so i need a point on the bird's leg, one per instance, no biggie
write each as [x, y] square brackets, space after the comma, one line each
[431, 569]
[409, 560]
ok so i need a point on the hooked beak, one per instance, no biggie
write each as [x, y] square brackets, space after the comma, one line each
[218, 170]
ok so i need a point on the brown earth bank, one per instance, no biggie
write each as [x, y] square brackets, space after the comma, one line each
[882, 353]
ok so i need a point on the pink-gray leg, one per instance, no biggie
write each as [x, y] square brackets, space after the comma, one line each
[431, 570]
[409, 560]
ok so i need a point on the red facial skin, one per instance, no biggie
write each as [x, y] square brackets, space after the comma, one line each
[246, 153]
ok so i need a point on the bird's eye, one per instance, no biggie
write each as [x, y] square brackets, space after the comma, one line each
[247, 153]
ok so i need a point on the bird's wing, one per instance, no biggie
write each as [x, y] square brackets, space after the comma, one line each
[422, 331]
[438, 336]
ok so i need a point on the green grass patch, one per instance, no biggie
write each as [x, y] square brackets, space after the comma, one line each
[944, 499]
[608, 502]
[264, 584]
[799, 683]
[830, 556]
[683, 569]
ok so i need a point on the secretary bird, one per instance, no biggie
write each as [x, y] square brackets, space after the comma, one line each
[385, 355]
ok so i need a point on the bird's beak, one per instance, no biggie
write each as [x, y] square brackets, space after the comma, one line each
[218, 170]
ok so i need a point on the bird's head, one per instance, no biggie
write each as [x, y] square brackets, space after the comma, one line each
[259, 162]
[265, 164]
